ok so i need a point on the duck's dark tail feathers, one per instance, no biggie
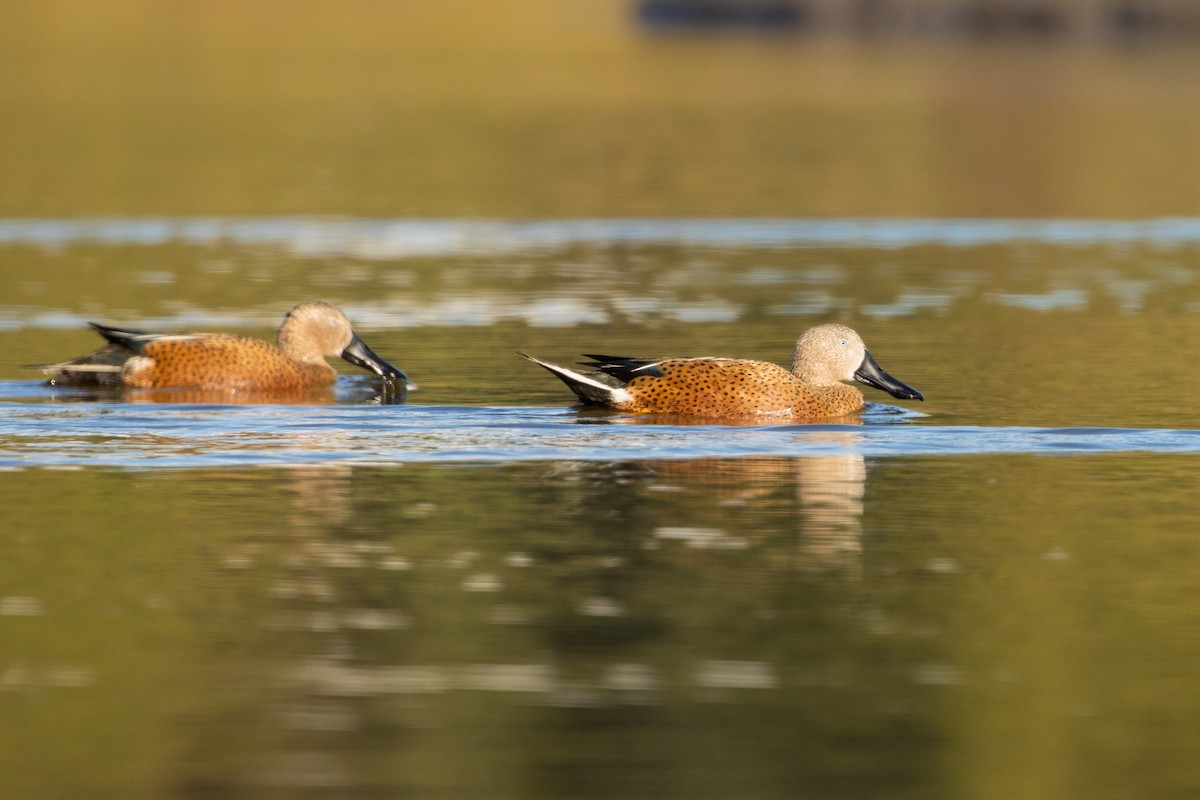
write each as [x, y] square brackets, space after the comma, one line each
[623, 368]
[103, 367]
[119, 336]
[592, 390]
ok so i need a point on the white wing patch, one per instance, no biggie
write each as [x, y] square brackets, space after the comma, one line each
[584, 379]
[170, 337]
[55, 369]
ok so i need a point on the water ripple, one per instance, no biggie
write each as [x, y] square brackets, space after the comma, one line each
[191, 436]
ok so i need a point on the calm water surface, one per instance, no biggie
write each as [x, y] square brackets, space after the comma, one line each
[484, 592]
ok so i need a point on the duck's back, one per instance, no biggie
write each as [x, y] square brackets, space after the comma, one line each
[718, 387]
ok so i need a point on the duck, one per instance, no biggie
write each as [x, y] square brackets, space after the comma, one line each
[826, 358]
[310, 333]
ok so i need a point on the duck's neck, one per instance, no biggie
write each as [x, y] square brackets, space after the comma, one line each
[807, 375]
[297, 347]
[318, 370]
[303, 353]
[842, 396]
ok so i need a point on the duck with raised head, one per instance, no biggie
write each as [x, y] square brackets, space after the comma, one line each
[825, 359]
[310, 333]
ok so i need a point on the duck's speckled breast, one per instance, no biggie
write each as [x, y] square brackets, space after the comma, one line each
[713, 387]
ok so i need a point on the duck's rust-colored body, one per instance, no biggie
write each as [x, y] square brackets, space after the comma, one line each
[310, 333]
[825, 357]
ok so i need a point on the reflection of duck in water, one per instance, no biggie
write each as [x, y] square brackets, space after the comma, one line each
[825, 357]
[310, 333]
[830, 490]
[828, 500]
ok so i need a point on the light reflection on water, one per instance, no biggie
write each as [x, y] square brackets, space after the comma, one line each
[336, 695]
[344, 597]
[394, 239]
[186, 436]
[546, 612]
[605, 271]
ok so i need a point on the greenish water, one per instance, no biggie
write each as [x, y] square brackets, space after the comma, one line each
[984, 594]
[483, 592]
[949, 626]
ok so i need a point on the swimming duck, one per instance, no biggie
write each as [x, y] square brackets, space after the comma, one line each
[825, 358]
[310, 333]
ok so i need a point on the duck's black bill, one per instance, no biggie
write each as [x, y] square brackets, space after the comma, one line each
[359, 354]
[870, 373]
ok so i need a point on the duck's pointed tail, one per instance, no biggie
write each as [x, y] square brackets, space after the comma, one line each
[591, 390]
[103, 367]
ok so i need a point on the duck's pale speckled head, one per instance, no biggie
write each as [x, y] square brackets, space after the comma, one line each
[316, 330]
[834, 353]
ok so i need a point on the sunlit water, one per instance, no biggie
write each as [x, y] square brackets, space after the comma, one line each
[1062, 291]
[989, 593]
[484, 593]
[184, 435]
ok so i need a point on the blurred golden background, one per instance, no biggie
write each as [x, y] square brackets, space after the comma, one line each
[538, 108]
